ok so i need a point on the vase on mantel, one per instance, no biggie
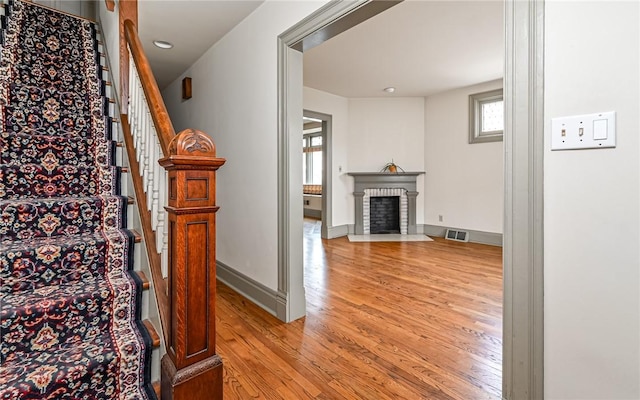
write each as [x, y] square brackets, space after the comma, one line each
[392, 168]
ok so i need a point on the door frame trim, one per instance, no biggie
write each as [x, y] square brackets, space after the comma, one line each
[523, 251]
[523, 305]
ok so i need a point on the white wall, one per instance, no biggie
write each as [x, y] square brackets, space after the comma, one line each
[591, 205]
[342, 186]
[235, 101]
[468, 193]
[382, 129]
[464, 182]
[109, 21]
[367, 133]
[83, 8]
[314, 202]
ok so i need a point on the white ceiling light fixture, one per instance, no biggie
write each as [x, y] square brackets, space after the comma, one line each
[162, 44]
[390, 89]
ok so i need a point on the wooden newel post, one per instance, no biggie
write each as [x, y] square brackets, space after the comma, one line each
[191, 369]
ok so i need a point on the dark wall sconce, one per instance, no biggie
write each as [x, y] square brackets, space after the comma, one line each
[186, 88]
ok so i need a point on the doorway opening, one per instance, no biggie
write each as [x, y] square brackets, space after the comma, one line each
[316, 159]
[523, 192]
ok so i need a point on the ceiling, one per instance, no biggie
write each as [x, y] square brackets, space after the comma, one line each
[191, 26]
[420, 47]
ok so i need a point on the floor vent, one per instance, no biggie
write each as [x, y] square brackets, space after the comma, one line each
[460, 236]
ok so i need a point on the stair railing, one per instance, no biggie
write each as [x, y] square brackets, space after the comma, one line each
[174, 180]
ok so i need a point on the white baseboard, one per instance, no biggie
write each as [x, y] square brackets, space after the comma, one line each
[264, 297]
[339, 231]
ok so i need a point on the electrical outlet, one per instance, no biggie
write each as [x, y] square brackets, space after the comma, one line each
[440, 218]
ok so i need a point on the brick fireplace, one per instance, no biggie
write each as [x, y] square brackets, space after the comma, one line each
[369, 185]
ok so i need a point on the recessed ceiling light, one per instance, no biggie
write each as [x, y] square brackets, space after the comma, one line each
[390, 89]
[162, 44]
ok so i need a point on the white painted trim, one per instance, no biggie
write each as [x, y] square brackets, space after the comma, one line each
[291, 298]
[523, 330]
[291, 293]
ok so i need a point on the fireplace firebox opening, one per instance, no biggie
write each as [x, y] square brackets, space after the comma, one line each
[384, 214]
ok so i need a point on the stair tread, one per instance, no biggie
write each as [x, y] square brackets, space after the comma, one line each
[143, 278]
[37, 200]
[60, 135]
[155, 338]
[137, 236]
[53, 168]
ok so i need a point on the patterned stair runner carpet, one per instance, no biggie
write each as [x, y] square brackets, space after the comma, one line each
[70, 306]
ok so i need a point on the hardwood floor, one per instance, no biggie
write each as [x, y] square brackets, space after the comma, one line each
[411, 320]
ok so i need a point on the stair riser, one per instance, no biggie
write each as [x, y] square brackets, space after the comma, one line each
[29, 219]
[54, 264]
[46, 111]
[54, 72]
[82, 372]
[84, 318]
[35, 181]
[18, 149]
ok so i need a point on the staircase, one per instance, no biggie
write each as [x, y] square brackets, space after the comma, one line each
[70, 302]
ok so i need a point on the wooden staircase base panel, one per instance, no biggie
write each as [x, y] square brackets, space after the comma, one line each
[199, 381]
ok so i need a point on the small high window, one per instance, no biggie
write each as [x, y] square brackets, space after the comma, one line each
[486, 117]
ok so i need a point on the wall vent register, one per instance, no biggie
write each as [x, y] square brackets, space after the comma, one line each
[454, 234]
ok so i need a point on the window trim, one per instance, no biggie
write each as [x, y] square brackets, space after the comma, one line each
[475, 116]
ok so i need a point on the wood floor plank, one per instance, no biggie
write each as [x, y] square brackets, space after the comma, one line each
[412, 320]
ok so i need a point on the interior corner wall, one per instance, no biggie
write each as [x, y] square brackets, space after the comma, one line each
[235, 94]
[109, 22]
[385, 129]
[342, 186]
[592, 205]
[464, 181]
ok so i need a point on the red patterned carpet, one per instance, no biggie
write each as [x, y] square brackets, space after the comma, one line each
[70, 308]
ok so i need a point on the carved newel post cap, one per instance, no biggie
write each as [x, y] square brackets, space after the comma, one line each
[192, 142]
[192, 147]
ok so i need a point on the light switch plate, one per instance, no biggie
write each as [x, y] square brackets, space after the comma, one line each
[589, 131]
